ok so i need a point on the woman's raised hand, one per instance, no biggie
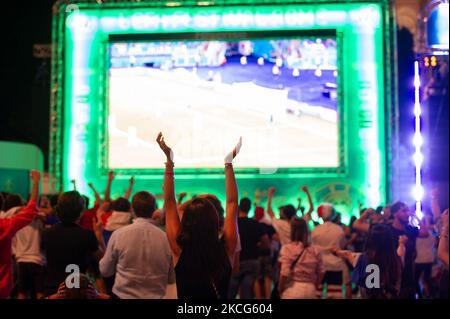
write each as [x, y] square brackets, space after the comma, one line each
[229, 158]
[166, 149]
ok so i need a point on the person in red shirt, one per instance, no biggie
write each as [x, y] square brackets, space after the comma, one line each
[8, 228]
[86, 219]
[101, 211]
[108, 210]
[89, 215]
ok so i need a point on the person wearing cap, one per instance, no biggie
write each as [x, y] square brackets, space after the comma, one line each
[324, 237]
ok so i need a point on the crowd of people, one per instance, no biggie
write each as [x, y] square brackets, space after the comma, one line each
[60, 247]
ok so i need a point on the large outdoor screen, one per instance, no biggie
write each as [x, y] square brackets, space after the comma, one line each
[279, 94]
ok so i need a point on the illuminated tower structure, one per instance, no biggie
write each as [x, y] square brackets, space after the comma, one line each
[431, 108]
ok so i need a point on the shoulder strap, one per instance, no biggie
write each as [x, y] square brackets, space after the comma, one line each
[298, 258]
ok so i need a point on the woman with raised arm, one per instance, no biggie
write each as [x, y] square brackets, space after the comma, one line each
[8, 228]
[202, 260]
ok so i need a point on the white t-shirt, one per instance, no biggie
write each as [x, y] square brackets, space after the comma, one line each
[26, 243]
[326, 236]
[117, 220]
[140, 256]
[283, 228]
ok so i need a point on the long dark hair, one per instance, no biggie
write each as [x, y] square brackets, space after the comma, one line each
[300, 231]
[381, 251]
[198, 238]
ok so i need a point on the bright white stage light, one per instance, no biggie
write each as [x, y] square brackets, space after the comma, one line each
[295, 72]
[275, 70]
[318, 72]
[418, 140]
[418, 192]
[279, 62]
[419, 213]
[260, 61]
[243, 60]
[418, 159]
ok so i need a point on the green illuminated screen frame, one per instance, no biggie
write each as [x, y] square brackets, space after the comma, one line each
[365, 32]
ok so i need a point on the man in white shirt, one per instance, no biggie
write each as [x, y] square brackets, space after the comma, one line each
[287, 212]
[26, 248]
[325, 237]
[139, 255]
